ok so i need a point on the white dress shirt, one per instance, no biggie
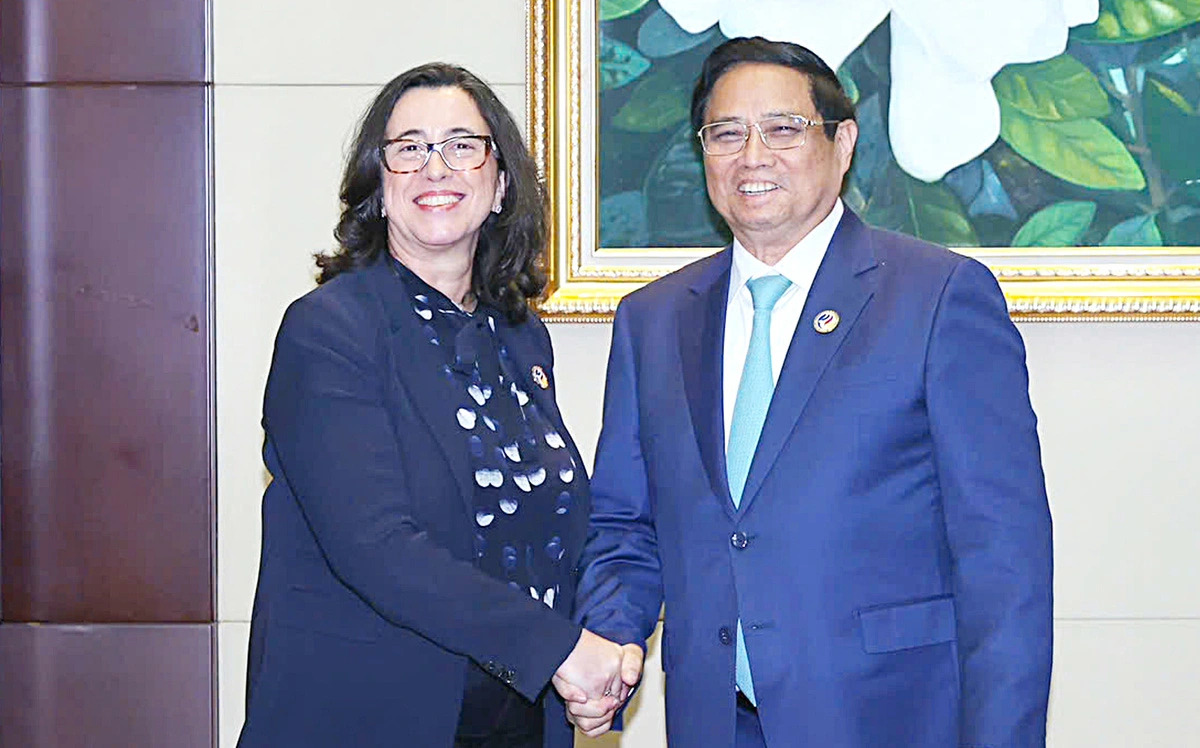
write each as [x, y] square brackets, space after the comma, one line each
[799, 266]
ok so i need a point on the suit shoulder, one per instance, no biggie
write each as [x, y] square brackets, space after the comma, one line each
[894, 247]
[919, 266]
[670, 289]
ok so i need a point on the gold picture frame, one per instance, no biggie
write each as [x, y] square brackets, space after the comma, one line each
[587, 282]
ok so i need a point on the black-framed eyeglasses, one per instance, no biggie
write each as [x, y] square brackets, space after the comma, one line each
[777, 133]
[460, 153]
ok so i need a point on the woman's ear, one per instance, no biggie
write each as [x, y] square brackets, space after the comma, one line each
[501, 186]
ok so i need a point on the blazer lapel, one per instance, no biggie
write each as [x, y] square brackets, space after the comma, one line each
[844, 283]
[701, 327]
[421, 383]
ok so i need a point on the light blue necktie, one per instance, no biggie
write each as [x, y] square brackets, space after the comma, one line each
[749, 412]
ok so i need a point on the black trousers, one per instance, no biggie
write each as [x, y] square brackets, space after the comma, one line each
[749, 729]
[495, 716]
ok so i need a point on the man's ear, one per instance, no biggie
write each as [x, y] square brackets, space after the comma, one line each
[844, 141]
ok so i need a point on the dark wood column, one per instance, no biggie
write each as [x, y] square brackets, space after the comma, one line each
[107, 512]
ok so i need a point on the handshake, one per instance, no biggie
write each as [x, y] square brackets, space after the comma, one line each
[596, 679]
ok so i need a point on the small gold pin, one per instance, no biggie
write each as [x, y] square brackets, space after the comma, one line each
[539, 377]
[826, 321]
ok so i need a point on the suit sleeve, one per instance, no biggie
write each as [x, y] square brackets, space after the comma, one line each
[996, 513]
[339, 454]
[620, 590]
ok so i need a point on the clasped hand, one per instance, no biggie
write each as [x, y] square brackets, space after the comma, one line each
[596, 679]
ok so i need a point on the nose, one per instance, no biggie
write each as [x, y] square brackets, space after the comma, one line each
[436, 166]
[756, 152]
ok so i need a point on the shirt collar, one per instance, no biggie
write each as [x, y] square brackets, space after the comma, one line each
[799, 265]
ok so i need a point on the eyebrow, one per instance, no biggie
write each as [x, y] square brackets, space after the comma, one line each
[767, 115]
[452, 132]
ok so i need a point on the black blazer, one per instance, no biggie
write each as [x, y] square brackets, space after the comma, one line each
[369, 608]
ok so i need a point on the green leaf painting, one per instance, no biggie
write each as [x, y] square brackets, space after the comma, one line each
[613, 9]
[1060, 88]
[1059, 225]
[1099, 144]
[1138, 20]
[1173, 131]
[619, 64]
[660, 37]
[658, 102]
[1081, 151]
[926, 211]
[1140, 231]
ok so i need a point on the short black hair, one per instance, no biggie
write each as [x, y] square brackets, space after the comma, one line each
[508, 267]
[828, 96]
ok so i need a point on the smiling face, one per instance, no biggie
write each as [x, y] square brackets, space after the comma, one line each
[772, 199]
[435, 214]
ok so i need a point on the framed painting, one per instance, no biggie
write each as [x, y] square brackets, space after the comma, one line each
[1072, 170]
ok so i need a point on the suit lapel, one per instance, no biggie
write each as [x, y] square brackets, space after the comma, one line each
[422, 383]
[844, 283]
[701, 327]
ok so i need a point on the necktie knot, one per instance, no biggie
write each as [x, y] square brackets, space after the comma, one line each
[765, 291]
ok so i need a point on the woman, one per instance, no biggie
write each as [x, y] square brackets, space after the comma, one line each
[428, 506]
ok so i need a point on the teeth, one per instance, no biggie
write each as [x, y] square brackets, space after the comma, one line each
[435, 200]
[756, 188]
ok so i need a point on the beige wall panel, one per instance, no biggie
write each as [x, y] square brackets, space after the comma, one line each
[1118, 413]
[369, 41]
[580, 360]
[1121, 684]
[232, 639]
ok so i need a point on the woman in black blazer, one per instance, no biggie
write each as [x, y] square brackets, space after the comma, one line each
[428, 507]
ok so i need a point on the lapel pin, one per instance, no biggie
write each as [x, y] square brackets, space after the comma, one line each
[539, 377]
[826, 321]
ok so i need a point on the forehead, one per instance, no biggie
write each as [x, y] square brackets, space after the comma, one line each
[752, 90]
[432, 112]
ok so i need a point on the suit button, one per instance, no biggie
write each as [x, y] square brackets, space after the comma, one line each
[490, 667]
[739, 540]
[509, 677]
[724, 635]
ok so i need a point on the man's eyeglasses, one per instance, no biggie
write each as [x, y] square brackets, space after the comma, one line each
[777, 133]
[460, 153]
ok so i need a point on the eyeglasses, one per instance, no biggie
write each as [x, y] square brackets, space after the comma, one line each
[777, 133]
[460, 153]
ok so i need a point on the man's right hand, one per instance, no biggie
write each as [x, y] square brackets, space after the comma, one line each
[591, 672]
[596, 679]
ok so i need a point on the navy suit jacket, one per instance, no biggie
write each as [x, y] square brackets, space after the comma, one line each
[369, 608]
[891, 557]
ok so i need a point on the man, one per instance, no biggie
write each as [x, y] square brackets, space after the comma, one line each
[818, 449]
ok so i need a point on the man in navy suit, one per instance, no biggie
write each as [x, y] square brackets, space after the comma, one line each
[819, 451]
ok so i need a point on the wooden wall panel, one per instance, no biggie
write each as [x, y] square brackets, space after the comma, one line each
[107, 511]
[71, 41]
[106, 686]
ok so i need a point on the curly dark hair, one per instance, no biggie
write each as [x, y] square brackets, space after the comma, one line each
[828, 96]
[508, 267]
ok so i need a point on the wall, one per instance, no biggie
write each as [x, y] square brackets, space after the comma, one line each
[1117, 402]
